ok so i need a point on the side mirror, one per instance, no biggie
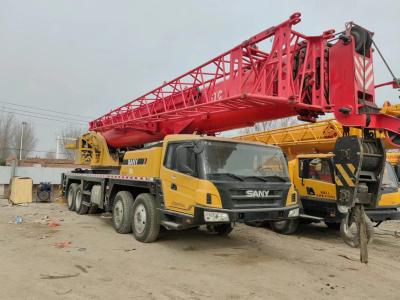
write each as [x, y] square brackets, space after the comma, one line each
[304, 171]
[182, 159]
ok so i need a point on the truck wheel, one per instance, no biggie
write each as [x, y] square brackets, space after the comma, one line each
[349, 231]
[146, 219]
[93, 209]
[80, 207]
[285, 226]
[71, 195]
[255, 223]
[220, 229]
[122, 212]
[333, 225]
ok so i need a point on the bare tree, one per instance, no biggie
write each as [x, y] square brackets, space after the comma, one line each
[50, 155]
[69, 135]
[7, 131]
[29, 139]
[269, 125]
[10, 137]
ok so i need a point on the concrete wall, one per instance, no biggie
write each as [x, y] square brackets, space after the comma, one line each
[38, 174]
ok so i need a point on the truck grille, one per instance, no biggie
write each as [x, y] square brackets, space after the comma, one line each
[241, 199]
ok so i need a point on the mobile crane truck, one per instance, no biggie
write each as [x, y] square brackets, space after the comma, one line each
[292, 75]
[187, 181]
[312, 170]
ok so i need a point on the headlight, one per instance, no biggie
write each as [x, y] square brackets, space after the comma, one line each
[398, 209]
[213, 216]
[294, 213]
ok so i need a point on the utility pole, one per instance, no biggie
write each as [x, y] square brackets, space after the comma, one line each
[58, 147]
[22, 138]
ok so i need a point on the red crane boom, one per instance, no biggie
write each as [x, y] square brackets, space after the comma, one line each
[275, 74]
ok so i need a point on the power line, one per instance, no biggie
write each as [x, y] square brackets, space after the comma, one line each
[81, 127]
[41, 114]
[48, 110]
[33, 116]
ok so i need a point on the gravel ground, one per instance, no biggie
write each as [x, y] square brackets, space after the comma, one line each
[84, 258]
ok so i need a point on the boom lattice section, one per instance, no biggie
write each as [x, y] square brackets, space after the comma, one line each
[319, 137]
[274, 74]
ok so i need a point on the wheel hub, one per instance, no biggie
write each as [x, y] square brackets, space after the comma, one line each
[70, 198]
[118, 213]
[139, 218]
[78, 199]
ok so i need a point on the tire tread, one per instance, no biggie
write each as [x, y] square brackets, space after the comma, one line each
[127, 203]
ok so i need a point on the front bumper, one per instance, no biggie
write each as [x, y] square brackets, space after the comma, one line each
[383, 214]
[248, 214]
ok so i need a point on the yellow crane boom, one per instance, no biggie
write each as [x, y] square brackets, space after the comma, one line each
[319, 137]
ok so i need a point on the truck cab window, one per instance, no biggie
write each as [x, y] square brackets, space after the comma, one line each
[169, 160]
[317, 169]
[181, 158]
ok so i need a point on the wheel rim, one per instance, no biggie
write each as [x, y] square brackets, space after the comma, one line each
[139, 218]
[78, 199]
[43, 195]
[70, 198]
[118, 213]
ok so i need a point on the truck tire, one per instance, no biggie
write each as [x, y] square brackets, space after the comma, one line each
[122, 212]
[93, 209]
[80, 207]
[285, 226]
[220, 229]
[71, 195]
[333, 225]
[255, 223]
[146, 219]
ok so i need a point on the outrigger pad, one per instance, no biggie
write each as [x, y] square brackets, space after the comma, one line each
[359, 165]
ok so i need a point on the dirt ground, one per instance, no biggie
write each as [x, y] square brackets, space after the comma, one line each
[252, 263]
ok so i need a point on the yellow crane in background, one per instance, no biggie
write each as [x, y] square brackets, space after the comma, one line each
[309, 150]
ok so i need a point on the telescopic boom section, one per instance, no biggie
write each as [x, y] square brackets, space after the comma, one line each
[318, 137]
[275, 74]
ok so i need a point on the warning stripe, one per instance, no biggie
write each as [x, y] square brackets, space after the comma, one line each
[340, 178]
[343, 173]
[351, 168]
[360, 72]
[337, 180]
[137, 178]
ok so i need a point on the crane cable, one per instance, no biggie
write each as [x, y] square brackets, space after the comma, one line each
[397, 79]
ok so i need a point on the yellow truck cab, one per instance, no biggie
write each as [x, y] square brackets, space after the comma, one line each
[187, 181]
[394, 159]
[315, 179]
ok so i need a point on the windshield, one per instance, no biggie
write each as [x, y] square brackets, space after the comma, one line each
[389, 177]
[237, 160]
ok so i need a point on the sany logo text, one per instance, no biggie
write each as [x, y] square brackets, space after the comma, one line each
[257, 194]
